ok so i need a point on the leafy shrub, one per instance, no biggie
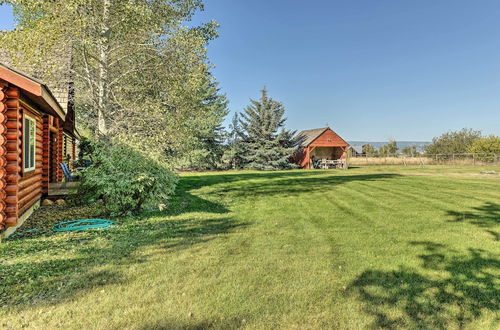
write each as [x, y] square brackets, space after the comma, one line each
[457, 142]
[486, 147]
[125, 180]
[85, 151]
[197, 160]
[390, 148]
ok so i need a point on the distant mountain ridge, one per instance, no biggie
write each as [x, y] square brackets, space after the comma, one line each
[401, 144]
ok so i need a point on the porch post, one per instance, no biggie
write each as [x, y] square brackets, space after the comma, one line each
[59, 148]
[346, 150]
[45, 154]
[308, 157]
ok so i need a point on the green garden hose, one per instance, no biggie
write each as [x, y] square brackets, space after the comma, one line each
[81, 225]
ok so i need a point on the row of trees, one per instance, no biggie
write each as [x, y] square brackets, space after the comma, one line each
[256, 139]
[141, 76]
[464, 141]
[390, 148]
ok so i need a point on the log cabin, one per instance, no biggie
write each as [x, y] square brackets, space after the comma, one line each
[32, 124]
[321, 144]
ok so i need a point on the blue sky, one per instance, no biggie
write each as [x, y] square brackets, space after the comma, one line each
[372, 70]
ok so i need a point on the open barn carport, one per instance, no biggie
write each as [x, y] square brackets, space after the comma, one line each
[322, 148]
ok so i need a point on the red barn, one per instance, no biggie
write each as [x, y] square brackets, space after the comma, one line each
[323, 146]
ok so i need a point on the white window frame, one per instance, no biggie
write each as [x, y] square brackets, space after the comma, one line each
[30, 147]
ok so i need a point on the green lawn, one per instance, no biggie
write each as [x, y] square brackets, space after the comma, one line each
[393, 247]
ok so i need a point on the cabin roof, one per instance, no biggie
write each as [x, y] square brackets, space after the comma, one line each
[309, 135]
[34, 88]
[58, 78]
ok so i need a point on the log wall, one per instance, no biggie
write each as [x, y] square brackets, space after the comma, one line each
[30, 183]
[46, 152]
[13, 155]
[3, 153]
[19, 190]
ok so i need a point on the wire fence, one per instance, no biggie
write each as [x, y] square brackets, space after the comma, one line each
[426, 159]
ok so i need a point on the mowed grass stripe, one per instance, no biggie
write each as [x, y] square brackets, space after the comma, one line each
[437, 212]
[364, 248]
[466, 188]
[443, 200]
[427, 197]
[308, 243]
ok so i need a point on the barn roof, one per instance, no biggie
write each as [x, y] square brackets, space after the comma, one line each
[309, 135]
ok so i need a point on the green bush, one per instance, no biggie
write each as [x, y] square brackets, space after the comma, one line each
[125, 181]
[85, 151]
[457, 142]
[486, 148]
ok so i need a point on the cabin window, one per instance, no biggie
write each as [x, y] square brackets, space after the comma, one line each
[29, 143]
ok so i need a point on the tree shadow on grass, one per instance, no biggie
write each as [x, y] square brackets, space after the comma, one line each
[185, 201]
[256, 184]
[82, 261]
[484, 216]
[449, 290]
[300, 186]
[263, 185]
[49, 268]
[231, 323]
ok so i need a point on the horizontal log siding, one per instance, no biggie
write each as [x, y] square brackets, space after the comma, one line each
[3, 153]
[30, 183]
[46, 153]
[18, 190]
[12, 147]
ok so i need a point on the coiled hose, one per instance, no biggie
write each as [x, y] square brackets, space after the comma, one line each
[81, 225]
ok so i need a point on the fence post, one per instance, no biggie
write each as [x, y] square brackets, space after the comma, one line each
[473, 159]
[453, 159]
[495, 159]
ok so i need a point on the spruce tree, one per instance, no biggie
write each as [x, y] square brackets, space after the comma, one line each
[203, 149]
[233, 154]
[267, 145]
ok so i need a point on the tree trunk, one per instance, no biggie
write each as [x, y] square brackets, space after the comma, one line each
[102, 87]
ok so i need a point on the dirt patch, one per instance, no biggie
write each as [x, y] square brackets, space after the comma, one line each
[43, 219]
[489, 173]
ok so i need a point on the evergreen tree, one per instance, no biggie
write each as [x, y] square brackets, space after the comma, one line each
[203, 149]
[233, 154]
[138, 70]
[267, 144]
